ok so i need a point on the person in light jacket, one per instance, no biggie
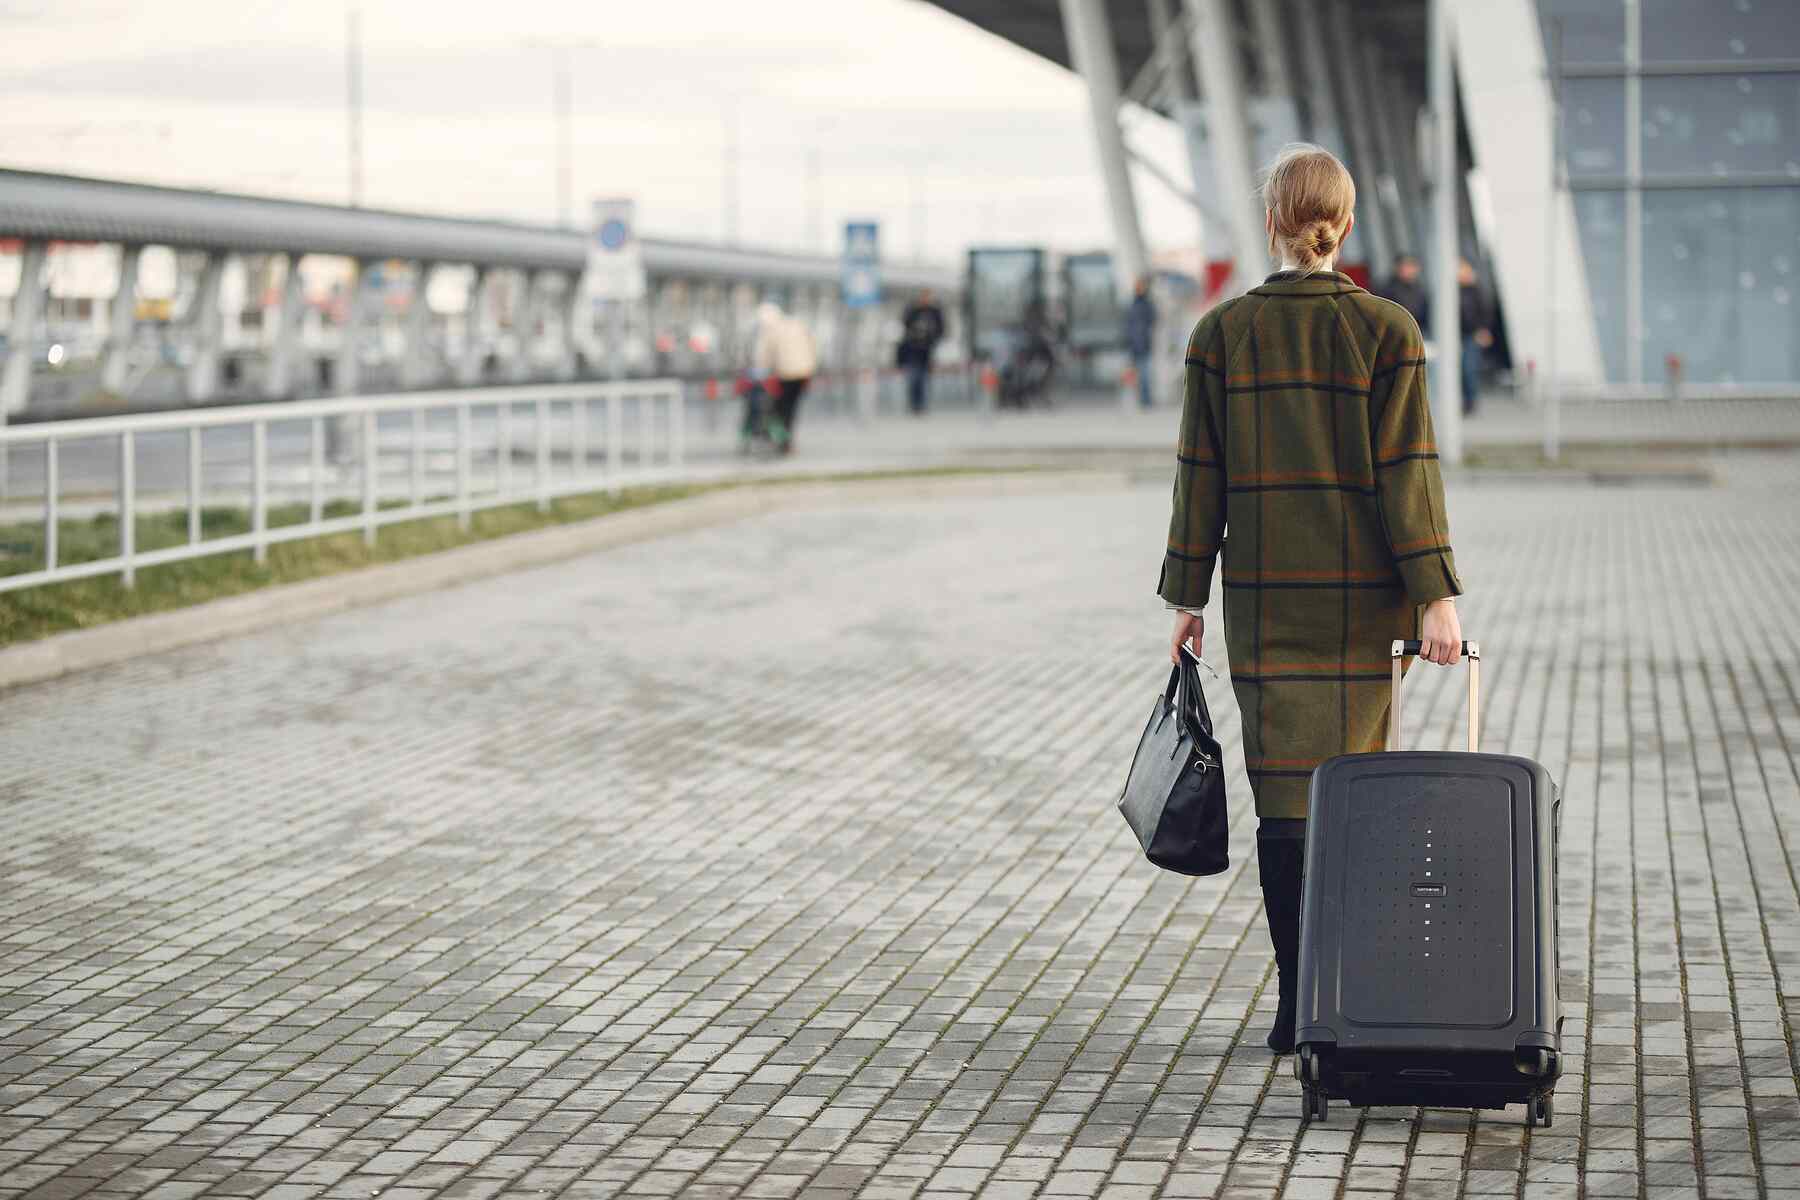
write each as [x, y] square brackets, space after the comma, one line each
[787, 357]
[1306, 433]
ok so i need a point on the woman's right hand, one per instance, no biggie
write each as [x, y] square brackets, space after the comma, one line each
[1440, 633]
[1187, 625]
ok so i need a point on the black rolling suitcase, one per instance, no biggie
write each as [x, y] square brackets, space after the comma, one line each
[1428, 928]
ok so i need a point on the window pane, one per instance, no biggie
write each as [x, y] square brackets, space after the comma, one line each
[1720, 283]
[1594, 126]
[1600, 223]
[1592, 31]
[1719, 124]
[1719, 30]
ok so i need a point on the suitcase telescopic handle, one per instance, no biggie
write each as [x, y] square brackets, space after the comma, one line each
[1472, 652]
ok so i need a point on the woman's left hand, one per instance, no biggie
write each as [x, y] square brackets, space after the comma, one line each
[1187, 625]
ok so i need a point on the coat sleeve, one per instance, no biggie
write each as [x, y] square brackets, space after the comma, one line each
[1409, 487]
[1197, 524]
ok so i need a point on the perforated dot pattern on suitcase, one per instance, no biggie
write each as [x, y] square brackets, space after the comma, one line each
[1428, 901]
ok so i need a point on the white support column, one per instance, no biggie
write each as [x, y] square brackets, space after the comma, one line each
[475, 327]
[284, 355]
[1091, 50]
[1216, 49]
[1365, 153]
[122, 322]
[526, 307]
[1401, 114]
[616, 332]
[344, 434]
[204, 330]
[1271, 47]
[417, 370]
[1535, 249]
[27, 314]
[575, 333]
[1634, 193]
[1446, 379]
[349, 360]
[1172, 50]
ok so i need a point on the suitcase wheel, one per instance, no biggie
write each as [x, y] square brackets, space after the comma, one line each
[1318, 1107]
[1540, 1062]
[1543, 1110]
[1306, 1064]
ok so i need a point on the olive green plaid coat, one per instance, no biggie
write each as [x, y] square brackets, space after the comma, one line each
[1307, 439]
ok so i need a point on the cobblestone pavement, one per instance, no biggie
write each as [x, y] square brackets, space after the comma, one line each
[779, 858]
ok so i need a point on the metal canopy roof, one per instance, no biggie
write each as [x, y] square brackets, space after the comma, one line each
[1037, 26]
[76, 209]
[1396, 27]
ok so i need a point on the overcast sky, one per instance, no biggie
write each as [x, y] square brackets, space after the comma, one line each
[900, 101]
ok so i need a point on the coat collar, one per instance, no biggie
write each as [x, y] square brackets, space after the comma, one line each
[1293, 283]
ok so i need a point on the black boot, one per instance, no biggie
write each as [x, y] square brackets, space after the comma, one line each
[1280, 861]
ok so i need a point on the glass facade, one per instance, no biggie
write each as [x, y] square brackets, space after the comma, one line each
[1688, 113]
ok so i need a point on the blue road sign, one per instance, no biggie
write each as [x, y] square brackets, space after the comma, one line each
[862, 264]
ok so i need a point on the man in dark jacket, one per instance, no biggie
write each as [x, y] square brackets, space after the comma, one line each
[1477, 332]
[1140, 334]
[1403, 288]
[922, 327]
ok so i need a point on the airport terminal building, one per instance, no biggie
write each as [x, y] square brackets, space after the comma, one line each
[1628, 171]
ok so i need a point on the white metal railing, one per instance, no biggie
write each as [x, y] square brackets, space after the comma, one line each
[396, 458]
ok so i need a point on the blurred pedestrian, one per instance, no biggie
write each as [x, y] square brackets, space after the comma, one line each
[922, 328]
[786, 358]
[1477, 322]
[1404, 288]
[1140, 336]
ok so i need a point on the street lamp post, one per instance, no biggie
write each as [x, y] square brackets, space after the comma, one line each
[562, 90]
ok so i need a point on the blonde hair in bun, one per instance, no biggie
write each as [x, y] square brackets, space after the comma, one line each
[1309, 195]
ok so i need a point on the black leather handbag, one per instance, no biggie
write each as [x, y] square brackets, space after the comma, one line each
[1174, 797]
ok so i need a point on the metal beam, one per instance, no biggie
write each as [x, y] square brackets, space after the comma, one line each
[1388, 139]
[1091, 47]
[1634, 194]
[1216, 49]
[1157, 172]
[1402, 113]
[1271, 47]
[1446, 382]
[1171, 51]
[1365, 160]
[37, 205]
[1325, 122]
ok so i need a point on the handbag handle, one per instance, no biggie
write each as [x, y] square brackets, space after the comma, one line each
[1185, 696]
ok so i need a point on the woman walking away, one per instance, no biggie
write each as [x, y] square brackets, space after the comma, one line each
[1306, 434]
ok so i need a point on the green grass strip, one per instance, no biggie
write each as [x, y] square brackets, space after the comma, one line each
[36, 612]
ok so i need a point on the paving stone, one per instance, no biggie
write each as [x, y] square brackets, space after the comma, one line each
[778, 859]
